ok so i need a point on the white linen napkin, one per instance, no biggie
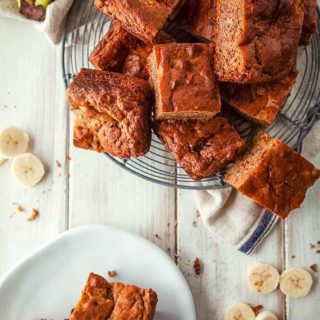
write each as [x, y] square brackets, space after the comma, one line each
[53, 24]
[234, 218]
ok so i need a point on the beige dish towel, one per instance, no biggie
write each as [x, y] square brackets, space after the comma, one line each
[233, 218]
[52, 26]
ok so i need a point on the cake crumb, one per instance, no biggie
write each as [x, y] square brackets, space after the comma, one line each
[58, 163]
[314, 267]
[195, 224]
[198, 214]
[318, 251]
[68, 157]
[312, 246]
[112, 273]
[197, 267]
[157, 236]
[34, 215]
[18, 207]
[257, 309]
[293, 257]
[318, 242]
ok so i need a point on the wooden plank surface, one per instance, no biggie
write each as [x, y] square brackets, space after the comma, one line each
[32, 96]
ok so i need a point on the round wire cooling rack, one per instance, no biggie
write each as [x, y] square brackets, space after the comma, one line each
[85, 26]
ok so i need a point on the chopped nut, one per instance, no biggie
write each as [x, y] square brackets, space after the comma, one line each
[312, 246]
[58, 164]
[293, 257]
[112, 273]
[68, 157]
[157, 236]
[257, 309]
[197, 267]
[314, 267]
[34, 215]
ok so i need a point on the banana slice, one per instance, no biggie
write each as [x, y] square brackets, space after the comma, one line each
[240, 311]
[266, 315]
[27, 169]
[295, 282]
[13, 141]
[263, 278]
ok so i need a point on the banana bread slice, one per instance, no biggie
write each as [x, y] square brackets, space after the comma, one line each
[310, 21]
[258, 102]
[198, 18]
[183, 79]
[101, 300]
[120, 51]
[256, 41]
[142, 18]
[273, 175]
[202, 148]
[112, 113]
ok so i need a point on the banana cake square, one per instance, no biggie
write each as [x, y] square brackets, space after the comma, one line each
[273, 175]
[112, 113]
[310, 21]
[258, 102]
[142, 18]
[120, 51]
[198, 18]
[256, 41]
[101, 300]
[183, 80]
[202, 148]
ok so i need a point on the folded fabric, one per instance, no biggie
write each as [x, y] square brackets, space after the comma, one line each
[234, 218]
[53, 24]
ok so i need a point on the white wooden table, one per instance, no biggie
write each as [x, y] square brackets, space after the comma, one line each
[32, 96]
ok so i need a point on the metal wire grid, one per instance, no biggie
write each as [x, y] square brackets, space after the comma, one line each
[85, 26]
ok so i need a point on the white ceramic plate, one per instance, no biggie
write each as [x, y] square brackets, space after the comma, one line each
[47, 284]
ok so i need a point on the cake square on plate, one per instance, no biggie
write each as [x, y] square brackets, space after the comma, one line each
[112, 113]
[101, 300]
[273, 175]
[202, 148]
[183, 79]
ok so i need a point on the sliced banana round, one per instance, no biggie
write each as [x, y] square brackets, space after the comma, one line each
[263, 278]
[240, 311]
[2, 160]
[27, 169]
[295, 282]
[13, 142]
[266, 315]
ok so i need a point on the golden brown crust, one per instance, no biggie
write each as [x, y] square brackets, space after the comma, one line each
[112, 113]
[101, 300]
[113, 48]
[182, 75]
[264, 49]
[201, 148]
[142, 18]
[120, 51]
[258, 102]
[198, 18]
[310, 22]
[273, 175]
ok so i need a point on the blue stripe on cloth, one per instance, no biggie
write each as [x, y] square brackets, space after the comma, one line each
[267, 221]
